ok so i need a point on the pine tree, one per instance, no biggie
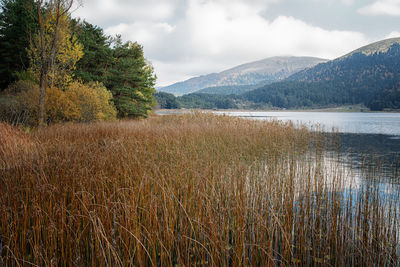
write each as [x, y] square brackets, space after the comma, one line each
[18, 23]
[131, 81]
[97, 57]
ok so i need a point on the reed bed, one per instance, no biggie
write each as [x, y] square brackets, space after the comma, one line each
[187, 190]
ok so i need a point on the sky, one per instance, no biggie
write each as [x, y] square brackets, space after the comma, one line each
[187, 38]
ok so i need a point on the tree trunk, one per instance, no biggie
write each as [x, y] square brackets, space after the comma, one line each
[43, 68]
[42, 99]
[47, 61]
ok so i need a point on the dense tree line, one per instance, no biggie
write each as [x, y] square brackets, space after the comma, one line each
[67, 67]
[230, 89]
[293, 94]
[387, 99]
[206, 101]
[195, 100]
[167, 100]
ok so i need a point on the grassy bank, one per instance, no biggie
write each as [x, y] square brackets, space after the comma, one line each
[186, 190]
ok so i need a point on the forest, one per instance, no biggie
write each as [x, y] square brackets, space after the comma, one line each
[56, 68]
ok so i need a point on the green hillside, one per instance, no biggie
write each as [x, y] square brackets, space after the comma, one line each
[231, 89]
[369, 76]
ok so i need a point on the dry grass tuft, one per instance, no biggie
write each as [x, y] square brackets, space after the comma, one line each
[14, 145]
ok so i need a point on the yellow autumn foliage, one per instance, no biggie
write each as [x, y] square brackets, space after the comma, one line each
[69, 52]
[78, 102]
[92, 101]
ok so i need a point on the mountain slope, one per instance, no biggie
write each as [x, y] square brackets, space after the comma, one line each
[377, 47]
[263, 71]
[369, 75]
[231, 89]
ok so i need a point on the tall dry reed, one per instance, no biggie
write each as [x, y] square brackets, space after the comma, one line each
[186, 190]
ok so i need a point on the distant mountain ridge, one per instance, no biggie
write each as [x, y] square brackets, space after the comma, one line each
[369, 75]
[377, 47]
[263, 71]
[378, 60]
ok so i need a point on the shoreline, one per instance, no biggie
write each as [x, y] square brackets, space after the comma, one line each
[342, 109]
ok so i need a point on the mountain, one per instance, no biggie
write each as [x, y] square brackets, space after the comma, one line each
[231, 89]
[258, 72]
[377, 47]
[369, 75]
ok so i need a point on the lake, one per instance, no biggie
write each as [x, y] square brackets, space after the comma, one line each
[364, 135]
[343, 122]
[361, 132]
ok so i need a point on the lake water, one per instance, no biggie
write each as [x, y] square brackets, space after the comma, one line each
[343, 122]
[362, 132]
[373, 136]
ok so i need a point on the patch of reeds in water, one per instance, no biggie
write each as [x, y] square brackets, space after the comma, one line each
[186, 190]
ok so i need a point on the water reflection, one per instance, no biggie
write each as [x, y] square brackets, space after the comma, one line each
[376, 153]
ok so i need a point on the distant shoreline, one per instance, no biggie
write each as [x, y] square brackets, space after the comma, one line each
[349, 109]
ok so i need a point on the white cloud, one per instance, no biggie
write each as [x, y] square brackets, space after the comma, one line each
[108, 12]
[213, 35]
[394, 34]
[382, 7]
[144, 32]
[348, 2]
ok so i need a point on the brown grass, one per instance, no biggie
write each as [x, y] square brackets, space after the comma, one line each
[14, 146]
[185, 190]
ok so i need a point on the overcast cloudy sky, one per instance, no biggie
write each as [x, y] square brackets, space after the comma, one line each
[186, 38]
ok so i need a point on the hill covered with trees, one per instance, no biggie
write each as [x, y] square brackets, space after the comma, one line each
[231, 89]
[365, 76]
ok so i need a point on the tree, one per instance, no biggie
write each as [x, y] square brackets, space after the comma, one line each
[97, 58]
[63, 64]
[18, 23]
[120, 66]
[131, 80]
[92, 102]
[51, 16]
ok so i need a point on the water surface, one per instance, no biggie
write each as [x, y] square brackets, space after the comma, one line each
[343, 122]
[366, 137]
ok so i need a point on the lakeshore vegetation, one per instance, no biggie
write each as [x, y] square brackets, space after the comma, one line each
[58, 69]
[188, 190]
